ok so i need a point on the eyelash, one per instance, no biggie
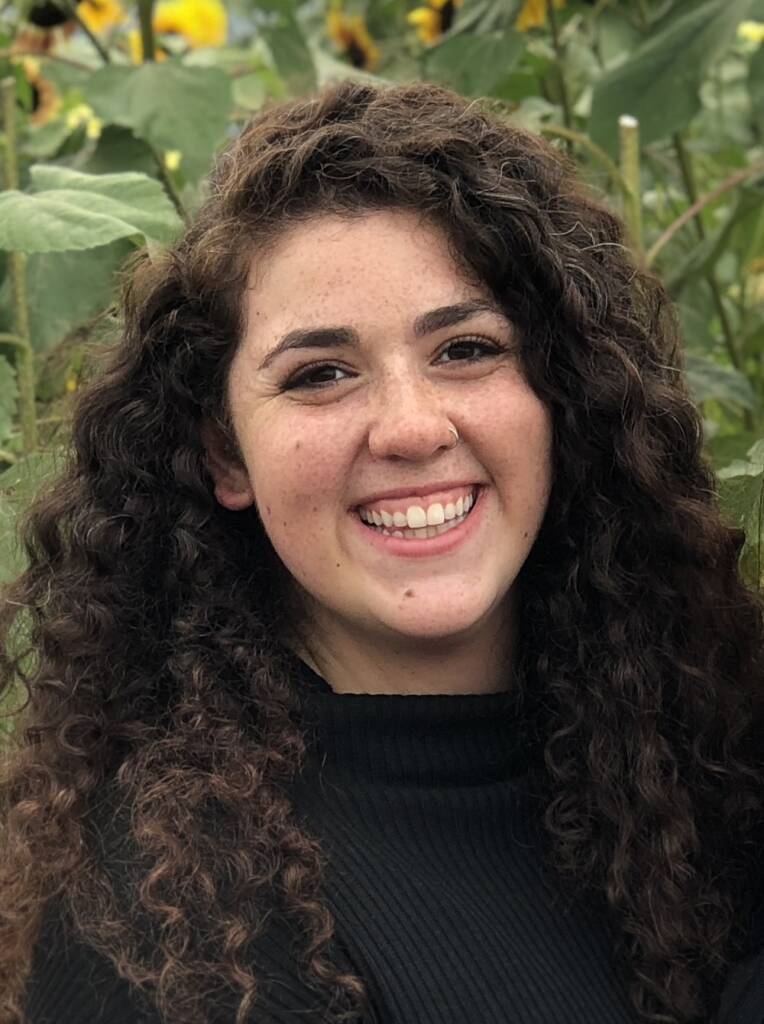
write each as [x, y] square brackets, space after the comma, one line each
[299, 379]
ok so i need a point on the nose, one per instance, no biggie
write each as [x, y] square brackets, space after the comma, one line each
[409, 421]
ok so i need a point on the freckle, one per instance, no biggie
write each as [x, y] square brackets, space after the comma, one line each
[408, 593]
[525, 534]
[297, 444]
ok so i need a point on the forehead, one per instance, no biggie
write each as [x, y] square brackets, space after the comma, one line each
[358, 267]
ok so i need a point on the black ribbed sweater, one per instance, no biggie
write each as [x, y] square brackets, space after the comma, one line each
[436, 884]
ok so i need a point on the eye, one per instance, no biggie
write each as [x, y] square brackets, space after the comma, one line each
[486, 349]
[307, 377]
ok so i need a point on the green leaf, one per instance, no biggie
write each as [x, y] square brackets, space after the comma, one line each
[660, 84]
[168, 105]
[9, 394]
[708, 379]
[18, 486]
[475, 65]
[742, 499]
[119, 150]
[83, 211]
[291, 55]
[67, 288]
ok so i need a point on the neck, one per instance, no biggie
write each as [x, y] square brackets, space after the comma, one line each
[353, 663]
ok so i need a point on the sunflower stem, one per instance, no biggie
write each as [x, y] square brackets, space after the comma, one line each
[567, 113]
[146, 19]
[103, 53]
[17, 267]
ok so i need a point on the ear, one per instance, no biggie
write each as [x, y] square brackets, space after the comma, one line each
[233, 489]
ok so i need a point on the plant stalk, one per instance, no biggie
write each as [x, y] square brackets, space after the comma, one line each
[145, 17]
[17, 265]
[628, 136]
[692, 211]
[688, 178]
[599, 154]
[567, 114]
[103, 53]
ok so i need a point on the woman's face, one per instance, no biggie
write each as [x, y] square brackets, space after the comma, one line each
[360, 411]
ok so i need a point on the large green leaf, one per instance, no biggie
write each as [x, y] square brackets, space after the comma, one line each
[73, 210]
[475, 65]
[291, 55]
[65, 289]
[660, 84]
[18, 485]
[170, 106]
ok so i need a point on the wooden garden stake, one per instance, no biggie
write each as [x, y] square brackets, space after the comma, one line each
[628, 136]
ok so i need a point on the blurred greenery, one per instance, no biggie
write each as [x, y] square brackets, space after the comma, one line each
[108, 153]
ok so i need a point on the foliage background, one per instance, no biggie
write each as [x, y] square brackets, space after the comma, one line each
[105, 151]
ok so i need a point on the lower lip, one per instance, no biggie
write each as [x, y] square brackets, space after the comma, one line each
[430, 546]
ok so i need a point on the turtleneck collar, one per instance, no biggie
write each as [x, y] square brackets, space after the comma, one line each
[413, 739]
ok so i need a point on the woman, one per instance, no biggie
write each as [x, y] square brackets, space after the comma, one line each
[393, 662]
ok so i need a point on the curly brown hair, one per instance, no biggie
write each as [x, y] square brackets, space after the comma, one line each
[149, 627]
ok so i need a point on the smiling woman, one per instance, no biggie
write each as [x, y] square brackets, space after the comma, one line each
[387, 652]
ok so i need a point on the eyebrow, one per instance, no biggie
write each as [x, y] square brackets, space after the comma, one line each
[336, 337]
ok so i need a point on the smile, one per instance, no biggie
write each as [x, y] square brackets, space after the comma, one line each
[430, 540]
[418, 523]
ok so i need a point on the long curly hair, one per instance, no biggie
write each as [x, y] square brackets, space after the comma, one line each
[150, 632]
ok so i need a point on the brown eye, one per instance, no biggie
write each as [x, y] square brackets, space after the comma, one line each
[486, 349]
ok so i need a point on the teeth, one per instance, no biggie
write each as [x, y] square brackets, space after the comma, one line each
[416, 517]
[435, 515]
[428, 530]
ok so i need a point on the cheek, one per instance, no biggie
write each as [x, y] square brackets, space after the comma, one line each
[523, 435]
[298, 478]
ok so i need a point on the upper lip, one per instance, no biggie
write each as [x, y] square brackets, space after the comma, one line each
[422, 490]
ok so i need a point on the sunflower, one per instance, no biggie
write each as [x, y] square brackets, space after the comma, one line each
[434, 19]
[352, 37]
[45, 100]
[45, 26]
[100, 15]
[533, 14]
[199, 22]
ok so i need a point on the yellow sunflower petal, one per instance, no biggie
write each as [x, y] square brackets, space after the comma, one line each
[427, 23]
[199, 22]
[350, 34]
[533, 14]
[100, 15]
